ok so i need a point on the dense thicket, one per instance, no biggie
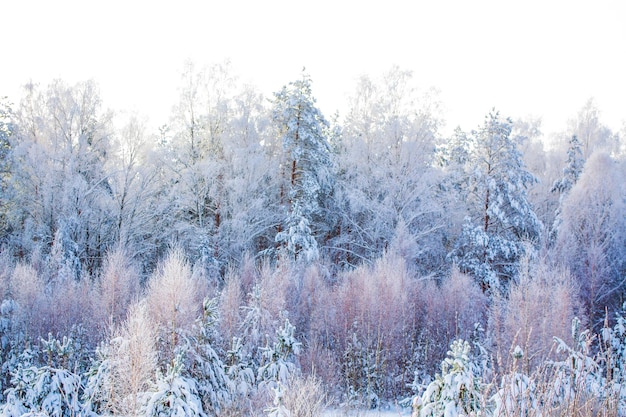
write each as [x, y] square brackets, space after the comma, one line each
[250, 241]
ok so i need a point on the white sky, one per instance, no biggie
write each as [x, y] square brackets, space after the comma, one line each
[542, 58]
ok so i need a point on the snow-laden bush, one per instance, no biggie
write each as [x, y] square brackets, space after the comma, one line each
[9, 339]
[614, 349]
[578, 377]
[175, 395]
[362, 367]
[203, 363]
[278, 359]
[517, 394]
[124, 367]
[457, 391]
[278, 409]
[98, 382]
[300, 397]
[49, 391]
[240, 369]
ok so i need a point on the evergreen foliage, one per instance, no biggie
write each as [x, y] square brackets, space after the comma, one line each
[305, 168]
[457, 390]
[278, 359]
[500, 220]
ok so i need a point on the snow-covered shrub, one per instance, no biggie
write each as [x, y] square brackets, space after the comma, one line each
[10, 339]
[98, 381]
[300, 397]
[578, 379]
[517, 394]
[306, 397]
[125, 367]
[203, 363]
[51, 391]
[540, 305]
[362, 373]
[27, 295]
[613, 358]
[452, 308]
[458, 390]
[279, 409]
[175, 395]
[278, 360]
[369, 318]
[174, 300]
[240, 369]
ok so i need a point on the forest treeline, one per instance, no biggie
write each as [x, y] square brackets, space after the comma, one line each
[253, 240]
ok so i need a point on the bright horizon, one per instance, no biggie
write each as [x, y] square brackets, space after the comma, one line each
[532, 58]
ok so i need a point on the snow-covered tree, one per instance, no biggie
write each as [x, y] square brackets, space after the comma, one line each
[44, 391]
[51, 389]
[174, 395]
[457, 391]
[137, 189]
[60, 182]
[305, 168]
[385, 181]
[573, 168]
[174, 299]
[592, 235]
[126, 367]
[571, 173]
[278, 359]
[578, 376]
[240, 369]
[591, 132]
[203, 365]
[217, 171]
[6, 127]
[492, 180]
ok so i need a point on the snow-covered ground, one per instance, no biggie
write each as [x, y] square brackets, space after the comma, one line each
[391, 412]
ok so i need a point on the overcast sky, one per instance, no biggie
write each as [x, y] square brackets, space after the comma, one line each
[541, 58]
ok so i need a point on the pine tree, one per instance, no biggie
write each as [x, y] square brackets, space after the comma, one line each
[203, 365]
[500, 218]
[6, 128]
[305, 167]
[571, 174]
[278, 359]
[175, 395]
[456, 391]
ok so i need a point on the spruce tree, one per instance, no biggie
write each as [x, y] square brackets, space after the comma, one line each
[305, 167]
[500, 218]
[571, 173]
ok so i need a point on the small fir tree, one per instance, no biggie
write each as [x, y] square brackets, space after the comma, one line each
[175, 394]
[278, 359]
[456, 391]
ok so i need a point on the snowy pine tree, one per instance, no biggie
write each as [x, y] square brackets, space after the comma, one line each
[6, 127]
[278, 359]
[457, 391]
[305, 167]
[204, 365]
[175, 394]
[500, 218]
[571, 173]
[51, 389]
